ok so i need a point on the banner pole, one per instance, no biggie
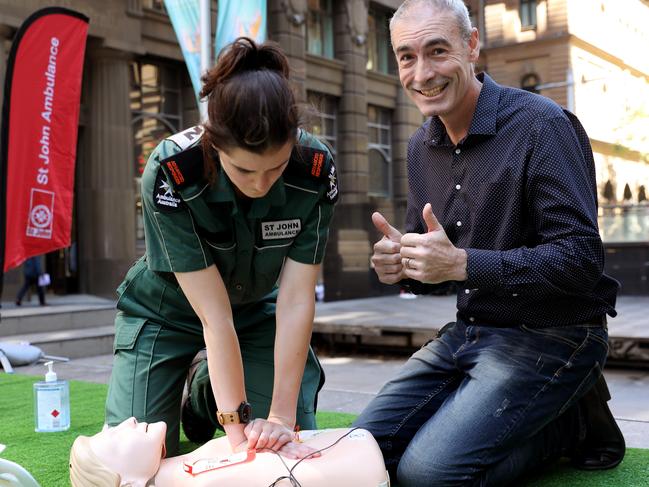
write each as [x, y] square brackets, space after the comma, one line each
[205, 24]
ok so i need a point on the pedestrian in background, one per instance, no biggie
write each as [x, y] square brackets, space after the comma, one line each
[32, 274]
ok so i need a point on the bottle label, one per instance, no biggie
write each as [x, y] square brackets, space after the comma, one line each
[50, 411]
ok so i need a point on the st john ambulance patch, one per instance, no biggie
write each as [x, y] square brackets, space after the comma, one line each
[281, 229]
[164, 197]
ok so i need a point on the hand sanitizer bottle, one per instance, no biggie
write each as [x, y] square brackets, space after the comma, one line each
[51, 402]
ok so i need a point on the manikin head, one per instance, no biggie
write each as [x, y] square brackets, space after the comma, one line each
[128, 454]
[436, 49]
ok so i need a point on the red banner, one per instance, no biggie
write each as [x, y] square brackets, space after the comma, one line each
[40, 119]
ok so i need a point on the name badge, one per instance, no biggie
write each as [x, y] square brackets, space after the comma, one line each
[280, 229]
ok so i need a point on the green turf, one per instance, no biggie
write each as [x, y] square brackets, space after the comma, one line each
[45, 455]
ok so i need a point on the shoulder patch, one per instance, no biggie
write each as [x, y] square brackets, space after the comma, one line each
[332, 190]
[165, 198]
[187, 137]
[309, 161]
[185, 167]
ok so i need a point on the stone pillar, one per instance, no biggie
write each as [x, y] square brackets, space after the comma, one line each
[407, 119]
[346, 270]
[5, 34]
[286, 26]
[106, 203]
[12, 279]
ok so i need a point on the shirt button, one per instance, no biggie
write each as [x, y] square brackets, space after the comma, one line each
[471, 319]
[467, 291]
[238, 287]
[457, 186]
[459, 224]
[515, 294]
[457, 151]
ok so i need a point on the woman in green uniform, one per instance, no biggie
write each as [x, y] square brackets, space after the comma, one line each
[236, 216]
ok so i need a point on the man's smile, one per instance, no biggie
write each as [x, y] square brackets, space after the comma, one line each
[432, 92]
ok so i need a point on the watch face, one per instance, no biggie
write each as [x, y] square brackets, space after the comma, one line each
[245, 412]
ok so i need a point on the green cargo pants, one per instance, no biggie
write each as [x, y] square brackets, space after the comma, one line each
[151, 361]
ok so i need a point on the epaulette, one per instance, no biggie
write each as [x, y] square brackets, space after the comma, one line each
[315, 163]
[187, 137]
[308, 161]
[185, 167]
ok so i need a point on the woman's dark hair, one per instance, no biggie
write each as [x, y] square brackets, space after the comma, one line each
[250, 103]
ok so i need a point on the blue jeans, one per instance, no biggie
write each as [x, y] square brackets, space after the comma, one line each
[482, 405]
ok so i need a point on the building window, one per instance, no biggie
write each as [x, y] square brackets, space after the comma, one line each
[323, 123]
[527, 13]
[154, 5]
[379, 128]
[530, 82]
[379, 48]
[319, 28]
[156, 113]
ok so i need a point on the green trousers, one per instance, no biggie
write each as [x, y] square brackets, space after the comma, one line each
[151, 360]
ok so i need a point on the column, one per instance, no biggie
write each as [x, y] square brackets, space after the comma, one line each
[5, 33]
[105, 198]
[286, 26]
[346, 268]
[407, 119]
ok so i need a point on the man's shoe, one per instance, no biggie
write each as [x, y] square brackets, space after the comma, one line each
[196, 429]
[603, 446]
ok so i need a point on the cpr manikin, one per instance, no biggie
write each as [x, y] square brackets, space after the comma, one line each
[132, 454]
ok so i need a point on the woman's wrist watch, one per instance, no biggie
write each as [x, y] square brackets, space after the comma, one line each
[243, 415]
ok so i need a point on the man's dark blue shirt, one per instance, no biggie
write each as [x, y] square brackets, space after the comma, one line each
[518, 194]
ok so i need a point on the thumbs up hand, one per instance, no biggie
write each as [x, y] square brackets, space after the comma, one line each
[431, 257]
[386, 259]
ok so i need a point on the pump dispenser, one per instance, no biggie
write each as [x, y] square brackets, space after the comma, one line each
[51, 402]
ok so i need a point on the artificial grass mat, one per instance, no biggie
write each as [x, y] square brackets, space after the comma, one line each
[45, 455]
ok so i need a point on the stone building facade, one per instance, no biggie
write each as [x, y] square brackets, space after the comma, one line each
[588, 55]
[136, 91]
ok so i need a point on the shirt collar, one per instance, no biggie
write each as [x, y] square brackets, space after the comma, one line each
[223, 192]
[484, 117]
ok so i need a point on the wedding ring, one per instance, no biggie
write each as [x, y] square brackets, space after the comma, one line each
[408, 263]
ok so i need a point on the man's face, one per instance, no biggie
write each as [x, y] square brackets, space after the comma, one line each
[435, 63]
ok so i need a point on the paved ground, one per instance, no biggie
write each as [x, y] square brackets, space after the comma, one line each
[353, 381]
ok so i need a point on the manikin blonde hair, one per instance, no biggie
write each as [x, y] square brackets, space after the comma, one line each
[87, 470]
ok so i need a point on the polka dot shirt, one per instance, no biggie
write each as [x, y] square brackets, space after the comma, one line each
[518, 194]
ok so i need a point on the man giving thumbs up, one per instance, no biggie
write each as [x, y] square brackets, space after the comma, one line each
[501, 201]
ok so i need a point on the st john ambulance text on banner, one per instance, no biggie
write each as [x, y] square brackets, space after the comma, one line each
[185, 19]
[237, 18]
[40, 120]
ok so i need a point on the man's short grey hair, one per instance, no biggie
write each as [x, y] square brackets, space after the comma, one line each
[456, 7]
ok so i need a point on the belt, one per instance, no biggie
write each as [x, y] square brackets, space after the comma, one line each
[598, 320]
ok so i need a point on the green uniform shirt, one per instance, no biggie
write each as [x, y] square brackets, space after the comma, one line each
[190, 225]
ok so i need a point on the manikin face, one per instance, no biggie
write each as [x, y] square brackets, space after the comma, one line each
[131, 449]
[435, 63]
[254, 174]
